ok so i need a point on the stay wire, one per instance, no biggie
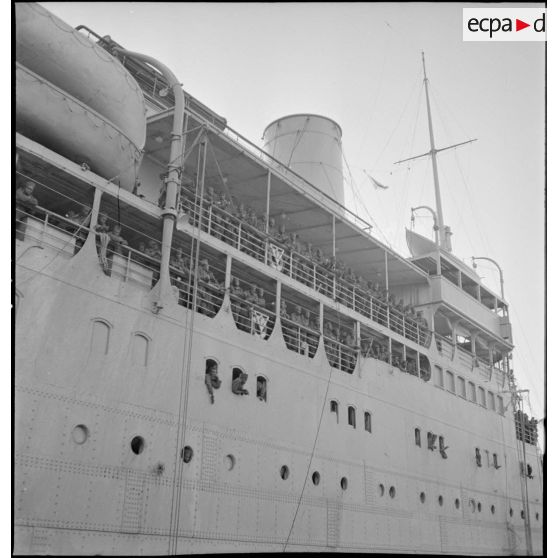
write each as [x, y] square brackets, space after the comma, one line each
[411, 94]
[311, 456]
[193, 276]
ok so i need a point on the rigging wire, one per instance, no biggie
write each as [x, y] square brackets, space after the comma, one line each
[187, 346]
[314, 443]
[411, 94]
[358, 197]
[376, 96]
[405, 189]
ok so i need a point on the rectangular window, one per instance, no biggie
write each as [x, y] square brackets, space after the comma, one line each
[500, 404]
[450, 381]
[491, 404]
[482, 397]
[472, 392]
[461, 387]
[334, 408]
[351, 416]
[368, 422]
[439, 376]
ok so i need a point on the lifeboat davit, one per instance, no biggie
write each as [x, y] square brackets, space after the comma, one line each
[88, 91]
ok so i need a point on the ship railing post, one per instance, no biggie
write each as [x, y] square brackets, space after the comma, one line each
[228, 268]
[291, 263]
[238, 240]
[358, 343]
[266, 251]
[127, 270]
[209, 219]
[45, 225]
[354, 298]
[314, 277]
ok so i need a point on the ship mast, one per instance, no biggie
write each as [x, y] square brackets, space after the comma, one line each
[444, 237]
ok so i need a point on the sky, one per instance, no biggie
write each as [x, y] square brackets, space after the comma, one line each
[360, 64]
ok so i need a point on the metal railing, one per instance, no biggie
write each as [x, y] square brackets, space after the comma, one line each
[247, 238]
[339, 355]
[250, 305]
[300, 338]
[51, 229]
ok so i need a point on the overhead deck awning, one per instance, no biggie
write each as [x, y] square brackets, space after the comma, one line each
[241, 170]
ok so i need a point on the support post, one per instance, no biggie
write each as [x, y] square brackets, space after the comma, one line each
[95, 209]
[267, 199]
[333, 251]
[228, 270]
[278, 299]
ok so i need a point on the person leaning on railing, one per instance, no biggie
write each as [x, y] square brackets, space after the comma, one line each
[26, 204]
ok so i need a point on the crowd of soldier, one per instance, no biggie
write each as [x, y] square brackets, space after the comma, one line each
[239, 224]
[245, 303]
[402, 319]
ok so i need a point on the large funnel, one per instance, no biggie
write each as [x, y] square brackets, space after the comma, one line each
[310, 145]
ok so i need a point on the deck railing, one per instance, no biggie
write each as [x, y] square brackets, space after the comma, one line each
[263, 247]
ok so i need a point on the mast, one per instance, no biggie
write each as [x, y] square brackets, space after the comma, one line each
[443, 237]
[445, 231]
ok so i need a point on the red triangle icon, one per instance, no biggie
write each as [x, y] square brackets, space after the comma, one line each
[519, 25]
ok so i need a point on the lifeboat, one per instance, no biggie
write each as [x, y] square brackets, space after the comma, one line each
[52, 117]
[61, 59]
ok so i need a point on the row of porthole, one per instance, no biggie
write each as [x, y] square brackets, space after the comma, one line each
[80, 433]
[474, 505]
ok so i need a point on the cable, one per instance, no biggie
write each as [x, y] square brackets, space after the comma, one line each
[311, 457]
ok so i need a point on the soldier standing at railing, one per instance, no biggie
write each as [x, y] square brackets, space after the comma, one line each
[304, 321]
[102, 240]
[117, 241]
[347, 356]
[313, 338]
[153, 251]
[25, 205]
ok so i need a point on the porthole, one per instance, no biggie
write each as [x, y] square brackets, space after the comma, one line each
[316, 478]
[522, 514]
[229, 461]
[479, 507]
[392, 491]
[457, 503]
[186, 453]
[344, 483]
[441, 500]
[137, 444]
[537, 516]
[492, 509]
[80, 433]
[284, 472]
[422, 497]
[381, 489]
[511, 512]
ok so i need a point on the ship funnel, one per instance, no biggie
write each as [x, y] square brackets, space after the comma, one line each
[310, 145]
